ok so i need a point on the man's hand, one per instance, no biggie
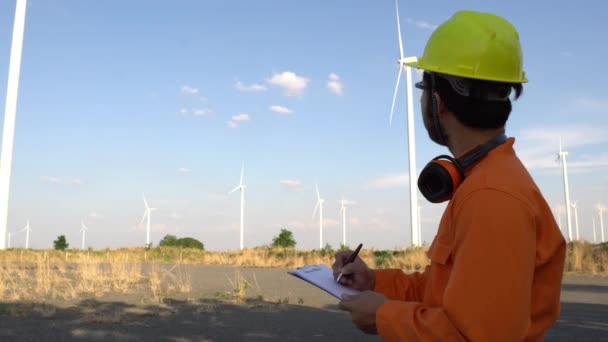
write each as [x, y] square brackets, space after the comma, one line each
[356, 274]
[362, 308]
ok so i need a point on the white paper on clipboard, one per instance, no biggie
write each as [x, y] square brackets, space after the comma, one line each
[322, 277]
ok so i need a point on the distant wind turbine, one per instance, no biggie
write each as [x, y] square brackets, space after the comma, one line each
[241, 187]
[319, 206]
[575, 219]
[147, 214]
[83, 230]
[562, 157]
[343, 213]
[600, 212]
[10, 113]
[27, 234]
[410, 131]
[594, 235]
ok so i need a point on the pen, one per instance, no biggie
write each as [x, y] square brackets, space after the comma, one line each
[350, 259]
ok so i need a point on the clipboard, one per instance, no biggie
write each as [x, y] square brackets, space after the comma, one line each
[322, 277]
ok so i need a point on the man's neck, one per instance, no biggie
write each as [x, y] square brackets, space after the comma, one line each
[467, 138]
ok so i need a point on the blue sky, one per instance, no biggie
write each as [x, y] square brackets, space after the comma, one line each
[171, 97]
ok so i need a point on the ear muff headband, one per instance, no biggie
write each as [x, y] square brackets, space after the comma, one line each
[441, 176]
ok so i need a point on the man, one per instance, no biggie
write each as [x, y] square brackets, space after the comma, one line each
[496, 263]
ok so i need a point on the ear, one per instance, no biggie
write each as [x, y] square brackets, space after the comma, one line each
[441, 108]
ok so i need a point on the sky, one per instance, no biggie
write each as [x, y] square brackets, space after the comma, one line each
[171, 98]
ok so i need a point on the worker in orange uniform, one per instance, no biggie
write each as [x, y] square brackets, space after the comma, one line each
[497, 260]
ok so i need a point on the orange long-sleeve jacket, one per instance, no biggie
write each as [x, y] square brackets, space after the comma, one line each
[496, 264]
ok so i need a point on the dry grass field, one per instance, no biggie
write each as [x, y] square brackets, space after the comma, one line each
[192, 295]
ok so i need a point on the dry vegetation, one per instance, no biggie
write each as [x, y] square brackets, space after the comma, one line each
[41, 275]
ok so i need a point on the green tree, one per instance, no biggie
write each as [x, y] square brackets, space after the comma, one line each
[61, 244]
[168, 240]
[187, 242]
[284, 239]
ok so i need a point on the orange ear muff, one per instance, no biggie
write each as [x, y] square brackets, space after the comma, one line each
[440, 178]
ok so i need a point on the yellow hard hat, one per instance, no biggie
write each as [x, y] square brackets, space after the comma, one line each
[475, 45]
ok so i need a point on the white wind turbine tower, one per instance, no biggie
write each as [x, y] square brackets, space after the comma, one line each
[410, 131]
[575, 218]
[10, 112]
[147, 214]
[562, 157]
[343, 212]
[241, 187]
[83, 230]
[594, 235]
[600, 212]
[27, 230]
[319, 205]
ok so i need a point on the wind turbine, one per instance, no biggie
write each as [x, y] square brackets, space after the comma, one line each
[10, 113]
[562, 157]
[8, 244]
[600, 212]
[319, 205]
[83, 230]
[343, 212]
[27, 234]
[594, 235]
[147, 214]
[575, 218]
[410, 130]
[241, 187]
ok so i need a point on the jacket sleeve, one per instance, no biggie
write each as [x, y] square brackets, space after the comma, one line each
[488, 293]
[395, 284]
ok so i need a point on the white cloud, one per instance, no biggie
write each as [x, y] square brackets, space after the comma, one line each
[175, 215]
[292, 84]
[50, 179]
[201, 112]
[95, 215]
[188, 90]
[240, 117]
[334, 84]
[538, 147]
[254, 87]
[291, 183]
[184, 170]
[422, 24]
[389, 181]
[77, 181]
[233, 123]
[184, 111]
[281, 109]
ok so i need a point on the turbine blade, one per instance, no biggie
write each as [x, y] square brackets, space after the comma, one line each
[145, 202]
[318, 196]
[395, 94]
[143, 217]
[315, 211]
[235, 189]
[399, 30]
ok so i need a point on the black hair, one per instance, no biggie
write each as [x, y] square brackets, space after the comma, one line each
[476, 111]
